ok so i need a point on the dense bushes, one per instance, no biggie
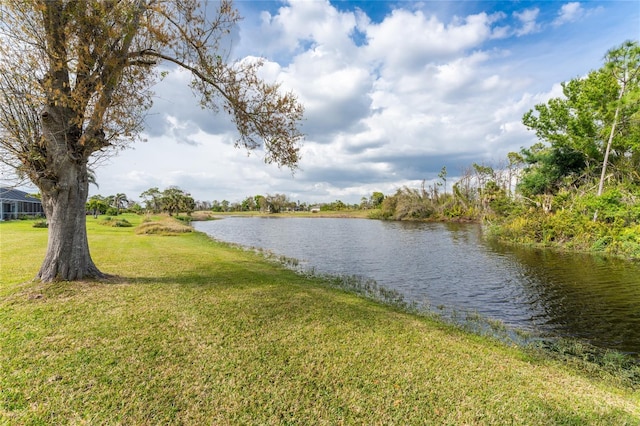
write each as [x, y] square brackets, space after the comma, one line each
[570, 224]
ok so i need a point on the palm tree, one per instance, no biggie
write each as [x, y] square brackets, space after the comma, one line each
[120, 201]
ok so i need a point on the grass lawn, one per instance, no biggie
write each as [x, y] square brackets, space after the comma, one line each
[192, 331]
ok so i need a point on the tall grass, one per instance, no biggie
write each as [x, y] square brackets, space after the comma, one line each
[192, 331]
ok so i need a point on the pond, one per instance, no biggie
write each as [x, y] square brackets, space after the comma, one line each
[452, 268]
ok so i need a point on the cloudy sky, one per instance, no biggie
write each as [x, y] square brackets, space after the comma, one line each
[393, 92]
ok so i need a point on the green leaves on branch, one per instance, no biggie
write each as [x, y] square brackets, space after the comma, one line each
[592, 130]
[171, 200]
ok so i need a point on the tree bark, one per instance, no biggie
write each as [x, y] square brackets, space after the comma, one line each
[64, 191]
[603, 175]
[68, 256]
[609, 142]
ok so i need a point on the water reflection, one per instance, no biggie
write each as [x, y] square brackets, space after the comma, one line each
[582, 296]
[452, 266]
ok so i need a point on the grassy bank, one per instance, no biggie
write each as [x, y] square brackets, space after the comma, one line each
[572, 230]
[192, 331]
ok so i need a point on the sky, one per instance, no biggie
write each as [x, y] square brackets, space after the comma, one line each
[393, 91]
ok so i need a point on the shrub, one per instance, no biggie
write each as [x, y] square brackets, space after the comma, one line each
[376, 214]
[117, 223]
[184, 219]
[40, 224]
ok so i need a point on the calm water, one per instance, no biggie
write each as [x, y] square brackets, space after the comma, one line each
[450, 267]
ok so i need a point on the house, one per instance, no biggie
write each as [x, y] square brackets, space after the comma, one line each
[15, 204]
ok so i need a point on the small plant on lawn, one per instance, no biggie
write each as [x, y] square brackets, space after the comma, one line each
[117, 223]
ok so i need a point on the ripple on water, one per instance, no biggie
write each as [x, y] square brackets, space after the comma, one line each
[453, 267]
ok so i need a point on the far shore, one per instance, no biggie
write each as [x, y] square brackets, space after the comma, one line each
[359, 214]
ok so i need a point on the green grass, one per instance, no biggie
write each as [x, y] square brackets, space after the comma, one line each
[192, 331]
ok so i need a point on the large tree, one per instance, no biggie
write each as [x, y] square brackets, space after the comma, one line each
[153, 199]
[175, 200]
[593, 128]
[75, 79]
[623, 64]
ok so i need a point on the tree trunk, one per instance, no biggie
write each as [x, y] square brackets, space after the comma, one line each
[609, 142]
[68, 256]
[608, 149]
[64, 191]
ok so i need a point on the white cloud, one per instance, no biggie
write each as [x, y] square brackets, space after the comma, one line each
[388, 102]
[528, 22]
[573, 12]
[335, 96]
[569, 12]
[301, 25]
[410, 40]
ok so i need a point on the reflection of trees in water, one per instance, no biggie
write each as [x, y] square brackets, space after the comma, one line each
[582, 295]
[463, 232]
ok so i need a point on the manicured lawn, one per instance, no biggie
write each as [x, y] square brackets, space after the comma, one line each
[192, 331]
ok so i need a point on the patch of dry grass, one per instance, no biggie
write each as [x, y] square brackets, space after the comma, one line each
[164, 226]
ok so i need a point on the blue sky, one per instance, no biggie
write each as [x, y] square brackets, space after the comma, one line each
[393, 92]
